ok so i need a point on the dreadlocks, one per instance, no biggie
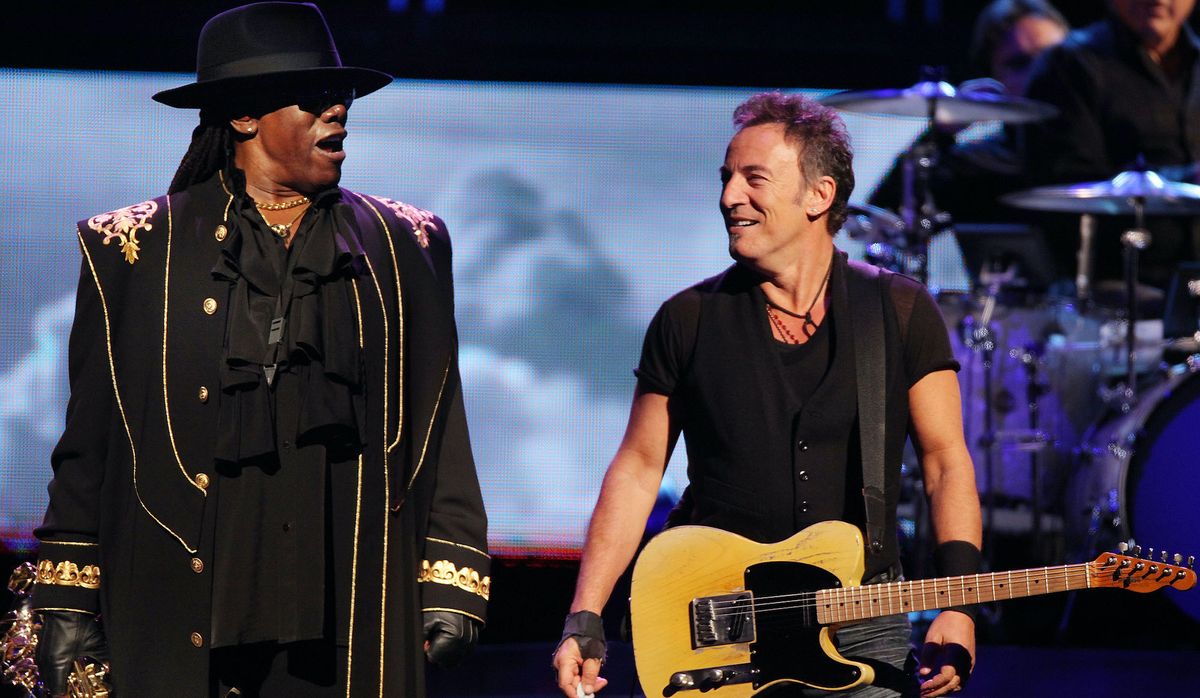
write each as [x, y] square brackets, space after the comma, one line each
[210, 149]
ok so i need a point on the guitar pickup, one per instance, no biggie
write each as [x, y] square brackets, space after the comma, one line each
[722, 620]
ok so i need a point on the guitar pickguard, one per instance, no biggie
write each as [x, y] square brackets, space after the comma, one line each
[788, 643]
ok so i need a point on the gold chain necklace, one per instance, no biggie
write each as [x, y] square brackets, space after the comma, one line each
[282, 206]
[282, 230]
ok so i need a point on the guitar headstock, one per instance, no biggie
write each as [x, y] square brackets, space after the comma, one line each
[1142, 574]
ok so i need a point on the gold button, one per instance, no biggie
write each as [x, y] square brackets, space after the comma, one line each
[197, 565]
[203, 393]
[210, 305]
[202, 481]
[197, 640]
[222, 231]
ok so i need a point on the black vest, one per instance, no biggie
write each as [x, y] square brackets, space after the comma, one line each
[761, 464]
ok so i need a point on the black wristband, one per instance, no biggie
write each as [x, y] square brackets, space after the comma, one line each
[955, 558]
[588, 630]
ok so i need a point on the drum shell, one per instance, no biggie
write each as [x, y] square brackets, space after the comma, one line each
[1137, 476]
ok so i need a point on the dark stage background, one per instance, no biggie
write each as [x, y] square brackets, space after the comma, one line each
[605, 69]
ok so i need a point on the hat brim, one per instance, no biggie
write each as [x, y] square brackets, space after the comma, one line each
[198, 95]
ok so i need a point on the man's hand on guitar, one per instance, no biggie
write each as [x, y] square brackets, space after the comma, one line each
[948, 654]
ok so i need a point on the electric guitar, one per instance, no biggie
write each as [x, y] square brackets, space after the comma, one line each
[713, 611]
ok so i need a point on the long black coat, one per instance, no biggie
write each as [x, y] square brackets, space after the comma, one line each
[133, 472]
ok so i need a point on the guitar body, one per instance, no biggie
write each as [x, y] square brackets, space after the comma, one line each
[687, 563]
[715, 612]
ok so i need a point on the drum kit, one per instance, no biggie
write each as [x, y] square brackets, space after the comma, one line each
[1128, 464]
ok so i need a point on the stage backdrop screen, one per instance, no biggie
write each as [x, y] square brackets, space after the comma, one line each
[575, 210]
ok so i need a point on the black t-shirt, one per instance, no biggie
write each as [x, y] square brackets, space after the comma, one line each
[671, 337]
[808, 409]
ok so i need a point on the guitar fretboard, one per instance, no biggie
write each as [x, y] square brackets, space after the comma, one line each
[874, 600]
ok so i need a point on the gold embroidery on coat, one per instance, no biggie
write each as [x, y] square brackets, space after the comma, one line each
[68, 574]
[465, 578]
[420, 219]
[124, 224]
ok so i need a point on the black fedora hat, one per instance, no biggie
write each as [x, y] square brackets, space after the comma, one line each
[251, 47]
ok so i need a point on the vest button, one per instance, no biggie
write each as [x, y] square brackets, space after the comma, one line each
[802, 445]
[804, 506]
[804, 476]
[202, 481]
[221, 233]
[197, 640]
[203, 394]
[210, 306]
[197, 565]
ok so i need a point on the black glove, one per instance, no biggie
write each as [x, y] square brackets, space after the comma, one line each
[66, 636]
[588, 630]
[449, 637]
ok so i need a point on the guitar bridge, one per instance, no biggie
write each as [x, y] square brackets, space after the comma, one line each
[722, 620]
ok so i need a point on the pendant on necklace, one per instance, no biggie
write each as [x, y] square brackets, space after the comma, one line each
[281, 229]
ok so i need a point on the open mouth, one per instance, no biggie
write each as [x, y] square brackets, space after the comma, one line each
[738, 223]
[333, 144]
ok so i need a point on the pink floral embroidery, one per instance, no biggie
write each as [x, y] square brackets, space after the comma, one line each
[420, 219]
[124, 224]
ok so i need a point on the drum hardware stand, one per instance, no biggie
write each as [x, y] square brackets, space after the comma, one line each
[1133, 241]
[979, 337]
[1083, 275]
[921, 216]
[1036, 440]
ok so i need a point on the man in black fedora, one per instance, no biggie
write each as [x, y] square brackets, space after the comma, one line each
[265, 485]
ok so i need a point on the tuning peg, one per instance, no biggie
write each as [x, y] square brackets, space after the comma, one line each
[1178, 559]
[1191, 561]
[1123, 546]
[1137, 551]
[1164, 556]
[1150, 554]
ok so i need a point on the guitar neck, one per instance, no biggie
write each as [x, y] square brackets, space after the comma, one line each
[875, 600]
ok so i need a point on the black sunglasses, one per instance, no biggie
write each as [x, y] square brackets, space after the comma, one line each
[317, 101]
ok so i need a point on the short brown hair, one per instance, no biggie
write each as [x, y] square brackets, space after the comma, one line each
[820, 138]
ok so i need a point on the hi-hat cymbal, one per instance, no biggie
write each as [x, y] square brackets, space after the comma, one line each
[872, 224]
[1119, 195]
[948, 105]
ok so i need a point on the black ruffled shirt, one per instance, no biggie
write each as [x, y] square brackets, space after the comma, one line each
[291, 411]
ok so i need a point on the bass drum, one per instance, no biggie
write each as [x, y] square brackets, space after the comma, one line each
[1138, 476]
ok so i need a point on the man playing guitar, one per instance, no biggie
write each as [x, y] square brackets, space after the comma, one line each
[757, 368]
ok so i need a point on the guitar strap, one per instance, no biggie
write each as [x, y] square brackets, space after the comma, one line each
[865, 290]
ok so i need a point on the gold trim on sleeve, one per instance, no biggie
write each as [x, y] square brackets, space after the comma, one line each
[465, 578]
[428, 430]
[464, 546]
[68, 574]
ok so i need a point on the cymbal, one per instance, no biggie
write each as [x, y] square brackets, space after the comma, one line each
[949, 106]
[1118, 195]
[872, 224]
